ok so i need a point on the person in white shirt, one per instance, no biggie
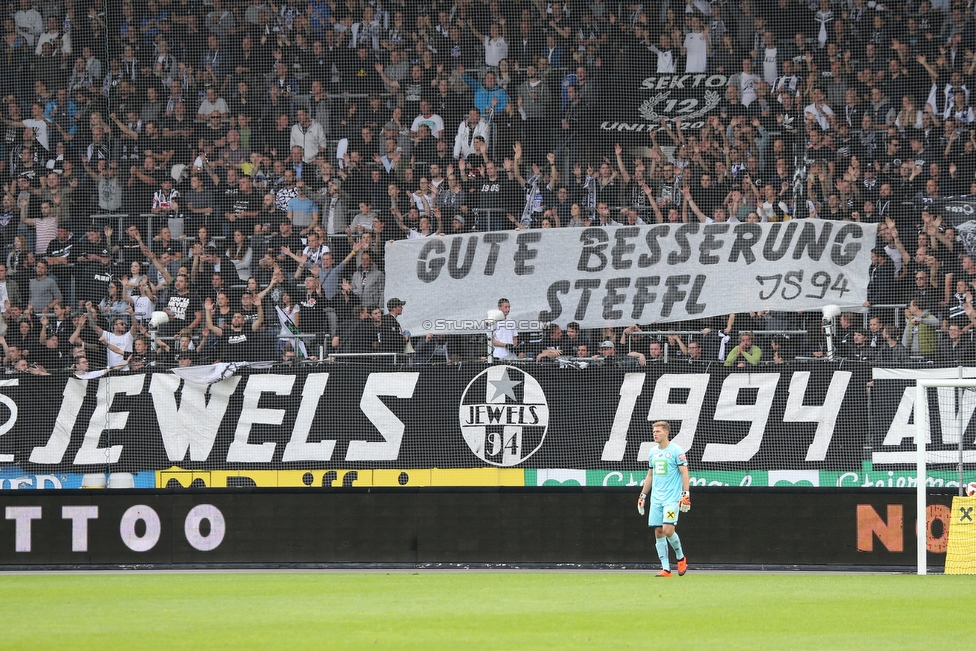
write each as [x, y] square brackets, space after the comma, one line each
[747, 82]
[665, 56]
[696, 47]
[119, 341]
[496, 47]
[212, 103]
[785, 83]
[468, 130]
[363, 221]
[309, 135]
[144, 304]
[29, 22]
[428, 117]
[59, 42]
[770, 71]
[9, 291]
[424, 229]
[38, 124]
[819, 111]
[504, 334]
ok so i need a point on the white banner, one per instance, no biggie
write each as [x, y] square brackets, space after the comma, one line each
[621, 275]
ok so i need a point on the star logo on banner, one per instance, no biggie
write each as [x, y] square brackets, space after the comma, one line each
[503, 415]
[504, 387]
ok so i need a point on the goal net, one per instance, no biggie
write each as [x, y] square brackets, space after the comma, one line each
[943, 414]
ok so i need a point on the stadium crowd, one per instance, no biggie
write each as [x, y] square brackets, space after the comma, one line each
[241, 166]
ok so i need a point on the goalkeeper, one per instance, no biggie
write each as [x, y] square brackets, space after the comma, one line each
[668, 476]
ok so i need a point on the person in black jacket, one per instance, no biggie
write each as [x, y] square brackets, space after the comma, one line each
[356, 335]
[955, 349]
[315, 314]
[881, 285]
[495, 195]
[392, 337]
[891, 352]
[860, 350]
[60, 256]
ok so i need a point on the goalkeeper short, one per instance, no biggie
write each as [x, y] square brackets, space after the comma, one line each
[663, 513]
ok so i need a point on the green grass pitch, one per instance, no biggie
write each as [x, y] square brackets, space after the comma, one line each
[485, 610]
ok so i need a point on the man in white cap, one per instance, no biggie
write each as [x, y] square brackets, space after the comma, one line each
[608, 353]
[458, 225]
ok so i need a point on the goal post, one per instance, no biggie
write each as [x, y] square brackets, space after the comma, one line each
[922, 431]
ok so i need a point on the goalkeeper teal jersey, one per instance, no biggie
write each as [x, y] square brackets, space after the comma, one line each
[666, 485]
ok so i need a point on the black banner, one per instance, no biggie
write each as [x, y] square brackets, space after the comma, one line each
[471, 416]
[956, 209]
[499, 525]
[643, 101]
[958, 212]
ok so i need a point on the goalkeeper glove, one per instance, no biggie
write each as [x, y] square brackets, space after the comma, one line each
[640, 503]
[684, 504]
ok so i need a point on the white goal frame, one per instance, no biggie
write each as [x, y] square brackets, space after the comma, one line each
[921, 429]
